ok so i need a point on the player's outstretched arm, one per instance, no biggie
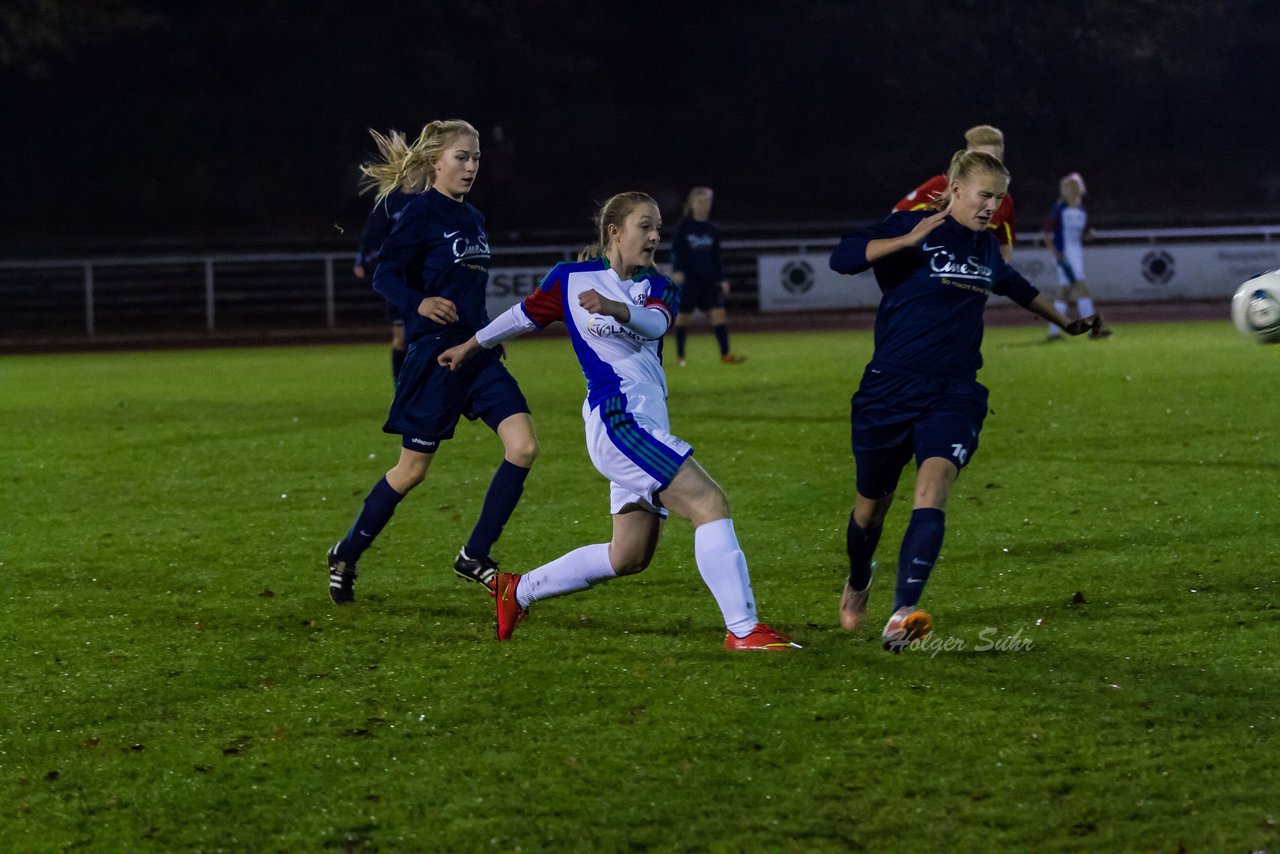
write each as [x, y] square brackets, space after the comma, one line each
[1042, 306]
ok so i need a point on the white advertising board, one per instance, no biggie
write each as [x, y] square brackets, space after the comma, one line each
[508, 285]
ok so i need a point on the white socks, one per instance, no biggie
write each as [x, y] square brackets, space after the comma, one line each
[1061, 306]
[724, 569]
[720, 560]
[1086, 306]
[578, 570]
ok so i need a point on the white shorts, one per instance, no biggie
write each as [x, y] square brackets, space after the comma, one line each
[1075, 258]
[628, 442]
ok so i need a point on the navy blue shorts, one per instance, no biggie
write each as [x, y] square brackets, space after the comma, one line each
[701, 295]
[430, 399]
[895, 416]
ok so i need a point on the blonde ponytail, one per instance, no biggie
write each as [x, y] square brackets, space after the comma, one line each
[411, 167]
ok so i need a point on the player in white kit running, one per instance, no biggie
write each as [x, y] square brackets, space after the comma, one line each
[617, 307]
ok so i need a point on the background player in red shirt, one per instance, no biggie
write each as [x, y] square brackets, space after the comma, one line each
[980, 138]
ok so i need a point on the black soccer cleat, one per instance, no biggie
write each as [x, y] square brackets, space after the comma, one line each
[482, 570]
[342, 579]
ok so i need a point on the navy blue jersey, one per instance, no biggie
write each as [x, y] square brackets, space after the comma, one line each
[929, 321]
[437, 249]
[382, 218]
[695, 250]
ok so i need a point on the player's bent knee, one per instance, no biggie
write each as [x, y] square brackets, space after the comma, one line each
[408, 473]
[630, 562]
[523, 453]
[526, 452]
[711, 507]
[634, 567]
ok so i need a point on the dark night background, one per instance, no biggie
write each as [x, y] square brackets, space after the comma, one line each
[130, 125]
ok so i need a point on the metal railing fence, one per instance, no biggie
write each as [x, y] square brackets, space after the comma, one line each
[243, 292]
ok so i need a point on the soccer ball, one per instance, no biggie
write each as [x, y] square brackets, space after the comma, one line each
[1255, 309]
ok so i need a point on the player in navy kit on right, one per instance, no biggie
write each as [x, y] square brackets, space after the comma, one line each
[919, 394]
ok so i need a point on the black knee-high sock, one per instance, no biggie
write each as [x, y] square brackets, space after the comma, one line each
[499, 503]
[378, 508]
[397, 362]
[682, 335]
[861, 544]
[920, 547]
[722, 337]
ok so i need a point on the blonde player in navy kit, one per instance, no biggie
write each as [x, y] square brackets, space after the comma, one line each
[919, 395]
[617, 307]
[433, 267]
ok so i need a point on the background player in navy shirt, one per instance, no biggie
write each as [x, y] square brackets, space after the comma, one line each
[385, 213]
[919, 394]
[433, 267]
[697, 267]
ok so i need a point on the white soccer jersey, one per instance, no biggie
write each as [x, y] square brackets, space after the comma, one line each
[625, 412]
[614, 359]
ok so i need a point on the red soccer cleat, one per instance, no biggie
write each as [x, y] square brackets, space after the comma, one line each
[510, 614]
[761, 638]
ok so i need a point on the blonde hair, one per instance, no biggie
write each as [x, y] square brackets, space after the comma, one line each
[411, 167]
[965, 164]
[983, 135]
[613, 212]
[688, 201]
[1073, 178]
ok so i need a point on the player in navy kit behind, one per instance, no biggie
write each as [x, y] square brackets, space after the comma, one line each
[697, 267]
[919, 394]
[382, 218]
[434, 267]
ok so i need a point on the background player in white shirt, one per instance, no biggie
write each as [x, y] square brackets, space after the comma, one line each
[617, 307]
[1064, 233]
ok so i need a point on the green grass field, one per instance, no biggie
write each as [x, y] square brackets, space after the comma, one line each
[1102, 677]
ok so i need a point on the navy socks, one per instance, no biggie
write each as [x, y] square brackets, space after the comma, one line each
[682, 335]
[499, 503]
[861, 544]
[722, 337]
[380, 505]
[378, 508]
[920, 547]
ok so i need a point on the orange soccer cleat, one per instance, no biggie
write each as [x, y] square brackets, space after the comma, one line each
[905, 626]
